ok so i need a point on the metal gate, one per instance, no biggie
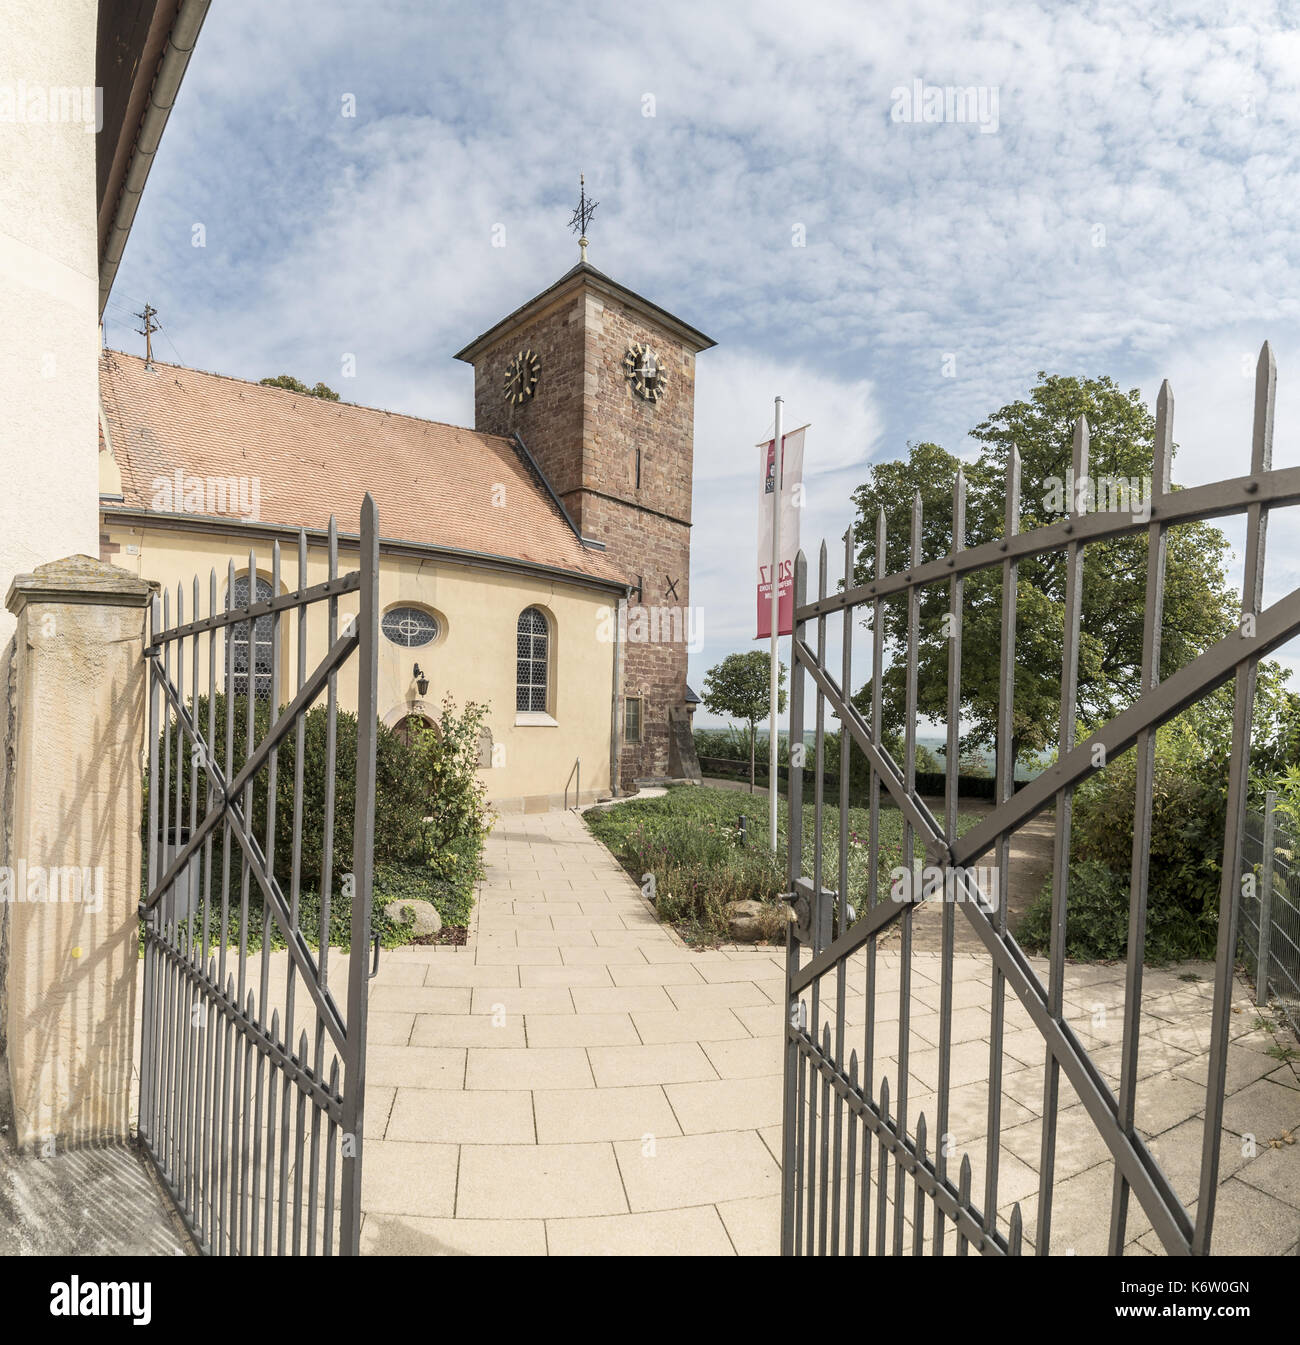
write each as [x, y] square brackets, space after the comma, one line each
[861, 1173]
[251, 1093]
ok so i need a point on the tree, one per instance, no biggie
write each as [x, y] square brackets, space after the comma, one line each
[740, 688]
[1198, 607]
[289, 382]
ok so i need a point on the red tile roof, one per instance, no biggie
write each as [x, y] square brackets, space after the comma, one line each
[434, 484]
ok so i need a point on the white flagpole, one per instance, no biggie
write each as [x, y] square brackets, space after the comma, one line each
[776, 626]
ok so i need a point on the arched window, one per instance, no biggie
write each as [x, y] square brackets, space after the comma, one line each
[531, 665]
[251, 651]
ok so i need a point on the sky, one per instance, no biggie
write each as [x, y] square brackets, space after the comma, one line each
[1124, 200]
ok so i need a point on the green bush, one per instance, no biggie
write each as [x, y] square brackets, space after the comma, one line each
[1188, 815]
[398, 810]
[444, 774]
[430, 811]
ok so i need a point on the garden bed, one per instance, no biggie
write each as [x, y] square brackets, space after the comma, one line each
[688, 840]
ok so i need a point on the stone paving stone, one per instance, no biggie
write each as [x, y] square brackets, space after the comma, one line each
[470, 1029]
[1264, 1109]
[399, 1178]
[540, 1181]
[612, 920]
[379, 1103]
[746, 1059]
[581, 1029]
[518, 957]
[753, 1224]
[675, 1062]
[622, 999]
[730, 994]
[535, 1067]
[464, 972]
[446, 1116]
[416, 1066]
[697, 1169]
[419, 999]
[603, 1114]
[390, 1029]
[603, 957]
[555, 938]
[1276, 1172]
[714, 1105]
[394, 1235]
[1246, 1222]
[567, 976]
[760, 1020]
[516, 1000]
[397, 973]
[1244, 1067]
[699, 1230]
[702, 1025]
[664, 973]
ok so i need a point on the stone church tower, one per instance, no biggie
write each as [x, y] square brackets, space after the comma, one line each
[599, 384]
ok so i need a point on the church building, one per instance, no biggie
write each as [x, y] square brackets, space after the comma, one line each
[539, 562]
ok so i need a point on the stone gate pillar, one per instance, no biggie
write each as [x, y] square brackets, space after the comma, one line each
[70, 850]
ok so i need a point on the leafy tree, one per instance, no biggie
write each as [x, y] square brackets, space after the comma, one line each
[740, 688]
[292, 384]
[1199, 608]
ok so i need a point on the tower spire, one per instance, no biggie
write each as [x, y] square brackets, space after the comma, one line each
[582, 216]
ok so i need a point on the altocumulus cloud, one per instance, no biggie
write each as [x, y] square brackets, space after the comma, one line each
[1135, 212]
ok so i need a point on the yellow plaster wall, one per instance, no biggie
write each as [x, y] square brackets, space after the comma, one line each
[473, 657]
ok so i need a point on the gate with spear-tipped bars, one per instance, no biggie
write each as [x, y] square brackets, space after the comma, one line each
[252, 1072]
[861, 1172]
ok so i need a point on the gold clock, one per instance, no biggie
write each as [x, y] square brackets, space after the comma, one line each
[645, 372]
[521, 378]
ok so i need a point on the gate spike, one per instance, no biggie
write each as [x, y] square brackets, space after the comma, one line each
[1261, 448]
[1014, 1235]
[1164, 445]
[884, 1096]
[1079, 452]
[275, 1025]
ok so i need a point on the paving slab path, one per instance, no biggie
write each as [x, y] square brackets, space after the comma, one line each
[575, 1080]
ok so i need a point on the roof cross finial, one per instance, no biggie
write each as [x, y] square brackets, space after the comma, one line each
[582, 215]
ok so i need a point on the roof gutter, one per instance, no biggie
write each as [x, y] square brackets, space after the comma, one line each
[162, 97]
[225, 525]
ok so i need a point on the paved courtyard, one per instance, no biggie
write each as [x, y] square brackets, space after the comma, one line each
[577, 1081]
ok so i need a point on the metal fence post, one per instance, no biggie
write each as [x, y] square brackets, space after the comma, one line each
[1266, 900]
[363, 837]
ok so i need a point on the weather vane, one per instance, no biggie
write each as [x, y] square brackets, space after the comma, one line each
[582, 215]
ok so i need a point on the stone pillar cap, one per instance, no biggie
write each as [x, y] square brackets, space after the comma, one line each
[79, 579]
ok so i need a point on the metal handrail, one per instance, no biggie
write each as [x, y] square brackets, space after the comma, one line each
[577, 792]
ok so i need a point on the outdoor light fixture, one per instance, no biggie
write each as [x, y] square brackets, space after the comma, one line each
[421, 681]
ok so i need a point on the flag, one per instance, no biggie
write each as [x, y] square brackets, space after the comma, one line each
[791, 500]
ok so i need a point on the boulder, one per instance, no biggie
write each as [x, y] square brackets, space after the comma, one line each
[746, 921]
[421, 915]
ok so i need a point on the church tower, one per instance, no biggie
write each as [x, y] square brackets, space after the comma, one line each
[599, 384]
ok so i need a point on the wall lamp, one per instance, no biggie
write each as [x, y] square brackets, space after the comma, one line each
[421, 681]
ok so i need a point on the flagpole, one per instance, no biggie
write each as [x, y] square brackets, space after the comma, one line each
[773, 685]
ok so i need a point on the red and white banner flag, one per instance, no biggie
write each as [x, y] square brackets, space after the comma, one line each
[791, 502]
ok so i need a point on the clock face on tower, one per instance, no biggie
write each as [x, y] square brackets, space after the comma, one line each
[521, 378]
[645, 372]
